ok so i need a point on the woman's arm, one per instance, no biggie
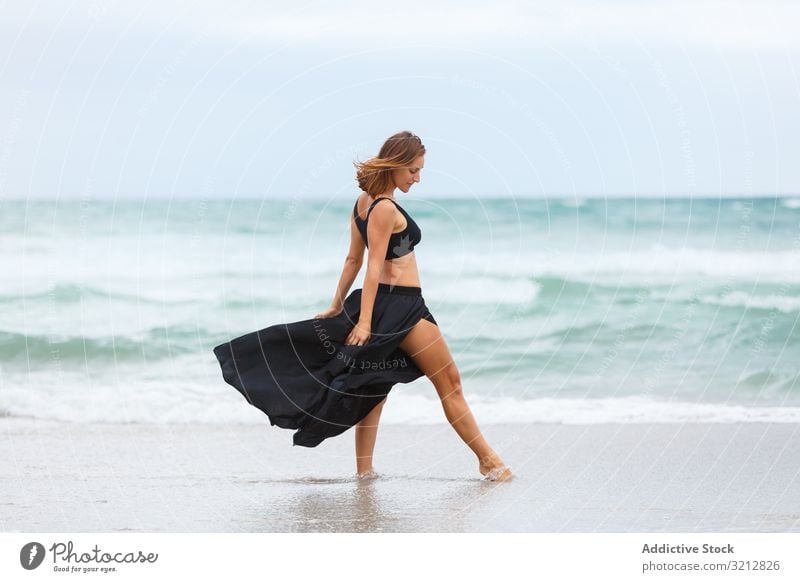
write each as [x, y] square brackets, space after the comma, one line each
[379, 230]
[349, 273]
[352, 265]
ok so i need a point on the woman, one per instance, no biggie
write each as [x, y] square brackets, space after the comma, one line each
[326, 374]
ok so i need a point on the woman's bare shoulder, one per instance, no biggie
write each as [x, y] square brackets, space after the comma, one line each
[383, 213]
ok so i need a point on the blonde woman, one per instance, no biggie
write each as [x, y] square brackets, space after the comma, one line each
[324, 375]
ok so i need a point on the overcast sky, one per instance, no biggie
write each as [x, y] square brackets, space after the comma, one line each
[275, 99]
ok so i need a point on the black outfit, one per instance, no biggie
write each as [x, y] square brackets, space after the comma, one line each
[302, 376]
[400, 243]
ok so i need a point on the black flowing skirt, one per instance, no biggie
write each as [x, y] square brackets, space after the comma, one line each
[302, 376]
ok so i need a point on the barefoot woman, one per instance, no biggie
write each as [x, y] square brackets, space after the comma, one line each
[324, 375]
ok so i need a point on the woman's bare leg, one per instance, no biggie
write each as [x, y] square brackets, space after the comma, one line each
[426, 346]
[366, 434]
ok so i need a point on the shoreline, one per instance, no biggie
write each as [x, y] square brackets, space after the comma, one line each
[74, 477]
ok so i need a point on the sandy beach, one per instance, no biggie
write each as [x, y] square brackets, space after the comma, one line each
[65, 477]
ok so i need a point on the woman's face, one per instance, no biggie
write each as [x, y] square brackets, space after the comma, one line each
[406, 177]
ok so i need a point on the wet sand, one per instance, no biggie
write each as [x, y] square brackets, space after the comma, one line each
[64, 477]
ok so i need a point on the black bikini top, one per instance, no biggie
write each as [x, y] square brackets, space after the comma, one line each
[400, 243]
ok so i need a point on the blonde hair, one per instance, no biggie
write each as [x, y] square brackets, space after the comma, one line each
[374, 176]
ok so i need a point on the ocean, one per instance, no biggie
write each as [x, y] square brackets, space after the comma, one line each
[565, 310]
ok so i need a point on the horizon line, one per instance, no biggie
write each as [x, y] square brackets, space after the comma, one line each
[316, 197]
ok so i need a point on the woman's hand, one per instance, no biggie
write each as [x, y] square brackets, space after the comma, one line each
[330, 312]
[359, 335]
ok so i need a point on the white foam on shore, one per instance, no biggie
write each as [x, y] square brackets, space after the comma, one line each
[785, 304]
[792, 203]
[656, 264]
[180, 406]
[409, 409]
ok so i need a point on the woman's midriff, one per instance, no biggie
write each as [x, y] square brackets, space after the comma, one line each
[401, 271]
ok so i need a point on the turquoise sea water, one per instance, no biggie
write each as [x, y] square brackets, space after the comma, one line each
[568, 310]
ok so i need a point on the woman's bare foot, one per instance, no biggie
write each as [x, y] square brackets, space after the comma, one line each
[493, 468]
[368, 474]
